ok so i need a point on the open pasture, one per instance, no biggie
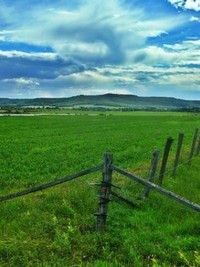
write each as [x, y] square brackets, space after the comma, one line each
[56, 227]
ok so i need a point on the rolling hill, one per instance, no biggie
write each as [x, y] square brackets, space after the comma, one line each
[106, 100]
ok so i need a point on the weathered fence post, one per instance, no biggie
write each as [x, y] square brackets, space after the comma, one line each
[105, 190]
[178, 152]
[152, 172]
[194, 141]
[198, 147]
[164, 160]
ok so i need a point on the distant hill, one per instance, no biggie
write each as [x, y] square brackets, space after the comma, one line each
[104, 101]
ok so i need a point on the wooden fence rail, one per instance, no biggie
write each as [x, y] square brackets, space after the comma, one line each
[51, 184]
[157, 188]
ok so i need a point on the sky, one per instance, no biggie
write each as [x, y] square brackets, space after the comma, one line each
[65, 48]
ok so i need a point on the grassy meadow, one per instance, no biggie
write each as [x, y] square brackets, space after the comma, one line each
[56, 227]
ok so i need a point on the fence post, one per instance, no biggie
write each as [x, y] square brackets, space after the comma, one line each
[105, 190]
[152, 172]
[198, 147]
[164, 160]
[194, 141]
[178, 152]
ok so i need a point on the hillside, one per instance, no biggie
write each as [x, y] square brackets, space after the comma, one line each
[106, 100]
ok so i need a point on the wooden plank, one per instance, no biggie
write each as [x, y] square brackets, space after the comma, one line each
[51, 184]
[158, 189]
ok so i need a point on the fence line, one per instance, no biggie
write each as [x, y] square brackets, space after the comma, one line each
[107, 169]
[51, 184]
[157, 188]
[195, 149]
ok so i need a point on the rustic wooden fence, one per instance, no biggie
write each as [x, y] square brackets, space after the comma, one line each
[106, 184]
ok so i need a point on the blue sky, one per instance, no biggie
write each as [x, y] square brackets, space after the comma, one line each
[69, 47]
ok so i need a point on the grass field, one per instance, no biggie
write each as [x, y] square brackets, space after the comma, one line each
[56, 227]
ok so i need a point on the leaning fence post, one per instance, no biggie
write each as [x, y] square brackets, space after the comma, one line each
[164, 160]
[194, 141]
[105, 190]
[152, 172]
[178, 152]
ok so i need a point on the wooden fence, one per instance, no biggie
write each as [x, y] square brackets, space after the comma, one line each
[106, 184]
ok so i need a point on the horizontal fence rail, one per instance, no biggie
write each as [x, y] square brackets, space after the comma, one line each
[51, 184]
[157, 188]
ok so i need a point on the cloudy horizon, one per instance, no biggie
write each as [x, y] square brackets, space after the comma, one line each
[68, 48]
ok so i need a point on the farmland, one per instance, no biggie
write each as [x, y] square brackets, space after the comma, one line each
[56, 227]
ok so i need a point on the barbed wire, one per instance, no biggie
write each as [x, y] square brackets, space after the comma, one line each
[168, 171]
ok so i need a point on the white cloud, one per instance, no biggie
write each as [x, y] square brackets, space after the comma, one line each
[193, 4]
[152, 55]
[4, 35]
[186, 4]
[81, 49]
[177, 2]
[22, 81]
[89, 77]
[195, 19]
[92, 33]
[184, 53]
[35, 55]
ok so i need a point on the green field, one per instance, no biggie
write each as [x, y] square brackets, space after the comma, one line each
[56, 227]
